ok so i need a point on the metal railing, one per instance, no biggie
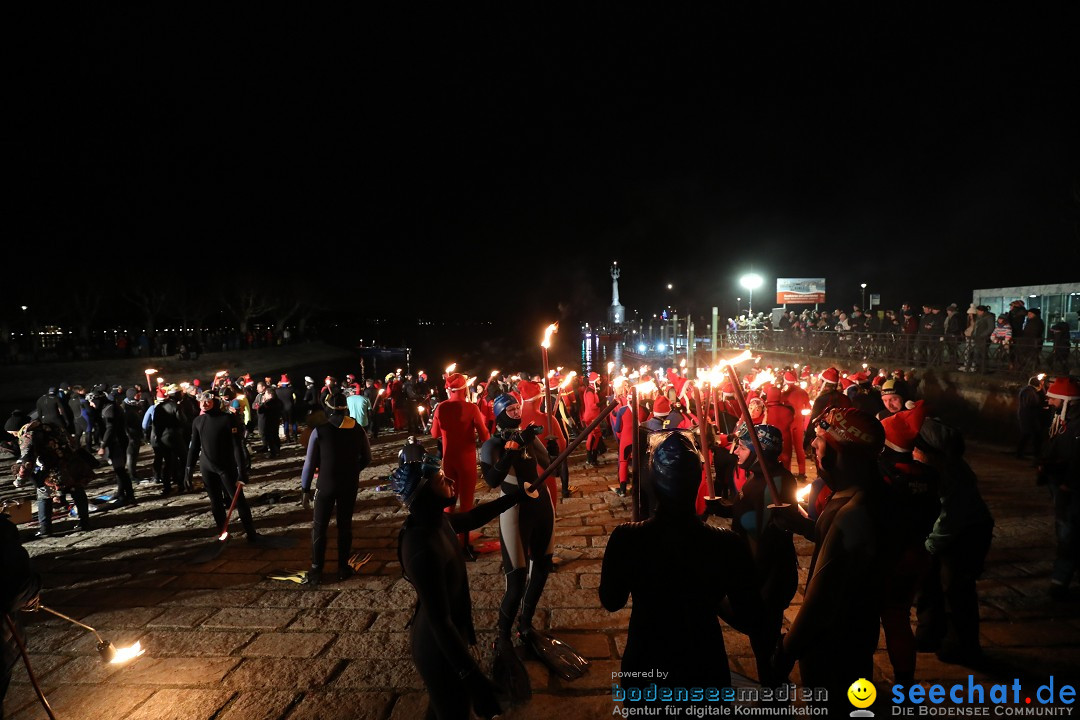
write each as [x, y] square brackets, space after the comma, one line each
[890, 349]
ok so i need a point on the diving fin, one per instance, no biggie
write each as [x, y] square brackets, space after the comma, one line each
[509, 673]
[560, 658]
[357, 561]
[297, 576]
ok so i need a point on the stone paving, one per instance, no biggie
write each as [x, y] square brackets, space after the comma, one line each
[222, 641]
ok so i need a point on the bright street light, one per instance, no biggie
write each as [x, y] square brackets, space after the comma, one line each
[863, 286]
[751, 281]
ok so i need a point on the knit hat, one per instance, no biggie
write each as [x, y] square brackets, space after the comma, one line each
[830, 375]
[129, 393]
[850, 428]
[661, 406]
[903, 427]
[971, 309]
[770, 437]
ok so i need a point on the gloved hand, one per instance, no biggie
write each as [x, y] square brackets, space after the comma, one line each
[305, 499]
[482, 692]
[529, 433]
[189, 473]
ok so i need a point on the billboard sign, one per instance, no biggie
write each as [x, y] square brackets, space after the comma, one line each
[796, 291]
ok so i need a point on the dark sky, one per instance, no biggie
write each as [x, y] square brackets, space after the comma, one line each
[486, 162]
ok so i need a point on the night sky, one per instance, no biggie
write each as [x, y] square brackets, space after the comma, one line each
[493, 164]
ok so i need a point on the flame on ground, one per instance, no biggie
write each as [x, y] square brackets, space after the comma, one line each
[128, 653]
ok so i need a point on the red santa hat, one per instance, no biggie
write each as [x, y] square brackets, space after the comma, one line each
[455, 382]
[661, 406]
[861, 377]
[806, 372]
[772, 394]
[878, 381]
[790, 379]
[903, 427]
[529, 390]
[845, 383]
[554, 382]
[830, 375]
[1063, 388]
[594, 377]
[727, 389]
[283, 381]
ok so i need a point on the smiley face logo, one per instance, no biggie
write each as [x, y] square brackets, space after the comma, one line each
[862, 693]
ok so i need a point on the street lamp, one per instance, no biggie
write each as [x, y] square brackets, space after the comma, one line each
[863, 286]
[751, 281]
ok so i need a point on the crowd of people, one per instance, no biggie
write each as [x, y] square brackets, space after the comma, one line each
[938, 335]
[893, 510]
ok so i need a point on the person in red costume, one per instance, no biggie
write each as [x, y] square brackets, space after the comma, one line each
[591, 403]
[533, 414]
[396, 390]
[799, 400]
[782, 417]
[459, 425]
[624, 430]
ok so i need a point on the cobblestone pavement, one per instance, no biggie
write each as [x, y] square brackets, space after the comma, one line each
[223, 641]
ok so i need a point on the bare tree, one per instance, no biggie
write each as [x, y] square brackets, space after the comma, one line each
[246, 303]
[150, 299]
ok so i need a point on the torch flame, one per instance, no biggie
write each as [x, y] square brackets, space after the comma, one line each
[682, 363]
[552, 328]
[381, 391]
[128, 653]
[220, 373]
[151, 371]
[646, 387]
[864, 366]
[160, 380]
[761, 379]
[623, 370]
[551, 374]
[805, 411]
[610, 367]
[420, 408]
[618, 382]
[569, 376]
[802, 384]
[802, 495]
[740, 358]
[470, 381]
[223, 536]
[451, 368]
[493, 373]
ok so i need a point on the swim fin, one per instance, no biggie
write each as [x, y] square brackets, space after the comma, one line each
[509, 673]
[357, 561]
[297, 576]
[560, 658]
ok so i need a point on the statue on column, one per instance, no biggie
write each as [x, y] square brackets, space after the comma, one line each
[616, 313]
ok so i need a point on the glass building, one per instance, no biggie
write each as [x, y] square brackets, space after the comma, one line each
[1055, 301]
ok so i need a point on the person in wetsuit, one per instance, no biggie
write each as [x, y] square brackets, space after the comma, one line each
[216, 437]
[441, 630]
[682, 574]
[339, 450]
[509, 458]
[772, 548]
[114, 443]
